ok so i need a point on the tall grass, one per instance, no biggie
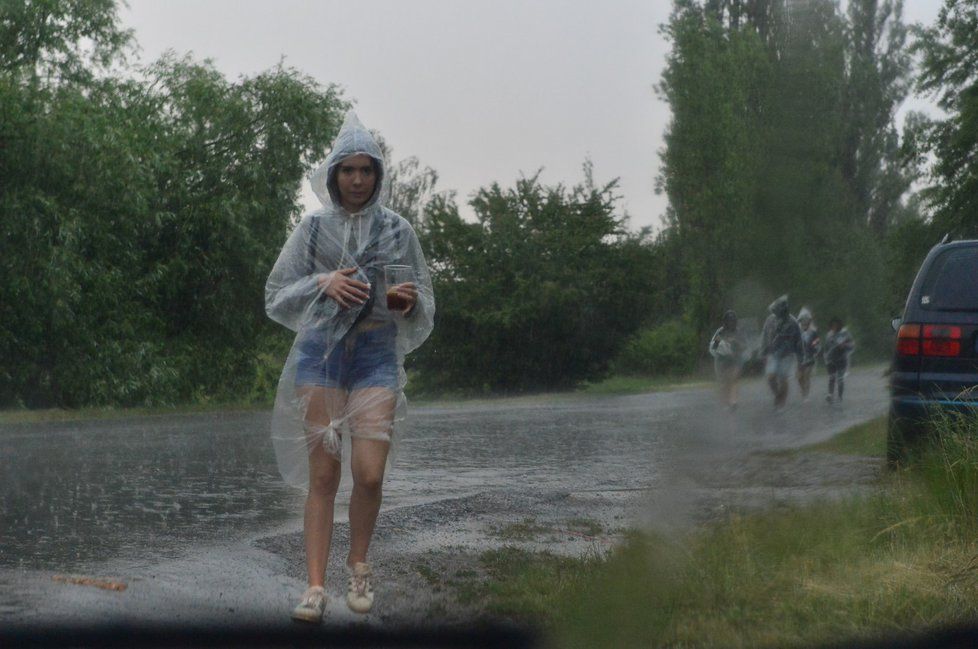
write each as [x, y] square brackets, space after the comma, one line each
[947, 471]
[898, 561]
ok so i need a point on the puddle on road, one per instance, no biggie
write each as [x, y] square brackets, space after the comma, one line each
[75, 494]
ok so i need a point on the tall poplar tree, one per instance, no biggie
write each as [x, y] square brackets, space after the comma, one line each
[781, 157]
[949, 72]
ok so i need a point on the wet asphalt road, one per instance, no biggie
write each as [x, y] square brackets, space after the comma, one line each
[188, 510]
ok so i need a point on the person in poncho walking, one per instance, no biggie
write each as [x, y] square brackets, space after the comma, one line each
[352, 282]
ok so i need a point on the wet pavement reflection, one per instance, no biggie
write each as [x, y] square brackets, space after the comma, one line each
[79, 492]
[76, 494]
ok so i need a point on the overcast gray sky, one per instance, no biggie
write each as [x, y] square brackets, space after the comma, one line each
[479, 90]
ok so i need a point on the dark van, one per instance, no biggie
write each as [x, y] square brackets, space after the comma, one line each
[935, 365]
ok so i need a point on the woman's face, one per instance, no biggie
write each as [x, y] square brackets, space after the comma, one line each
[355, 180]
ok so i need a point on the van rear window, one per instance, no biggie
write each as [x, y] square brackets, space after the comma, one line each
[952, 282]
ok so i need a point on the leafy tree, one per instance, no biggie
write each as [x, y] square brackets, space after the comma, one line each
[908, 241]
[235, 155]
[45, 73]
[949, 71]
[45, 38]
[878, 80]
[139, 217]
[782, 164]
[411, 185]
[712, 81]
[538, 293]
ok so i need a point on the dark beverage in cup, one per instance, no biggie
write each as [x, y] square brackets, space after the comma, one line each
[396, 301]
[396, 276]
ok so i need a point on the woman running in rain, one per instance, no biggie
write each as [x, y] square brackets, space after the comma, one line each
[839, 346]
[781, 345]
[352, 282]
[727, 348]
[810, 344]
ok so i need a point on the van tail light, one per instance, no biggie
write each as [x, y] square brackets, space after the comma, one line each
[941, 340]
[929, 340]
[908, 340]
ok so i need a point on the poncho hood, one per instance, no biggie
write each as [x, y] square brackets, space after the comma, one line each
[779, 307]
[353, 139]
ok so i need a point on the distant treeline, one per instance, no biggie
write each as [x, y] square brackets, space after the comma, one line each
[141, 207]
[140, 211]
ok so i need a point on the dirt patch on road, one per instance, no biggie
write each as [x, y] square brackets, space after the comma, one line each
[429, 560]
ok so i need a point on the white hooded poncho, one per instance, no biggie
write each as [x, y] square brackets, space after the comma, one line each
[325, 241]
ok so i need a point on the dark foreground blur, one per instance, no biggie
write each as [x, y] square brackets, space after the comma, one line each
[263, 636]
[140, 637]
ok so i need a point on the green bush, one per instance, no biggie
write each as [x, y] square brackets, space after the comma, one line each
[270, 356]
[669, 348]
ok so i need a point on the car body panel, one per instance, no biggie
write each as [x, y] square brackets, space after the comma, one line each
[943, 302]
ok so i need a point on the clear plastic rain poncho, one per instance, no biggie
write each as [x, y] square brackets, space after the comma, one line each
[839, 346]
[781, 334]
[810, 341]
[345, 371]
[727, 346]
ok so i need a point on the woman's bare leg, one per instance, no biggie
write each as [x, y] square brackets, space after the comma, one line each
[323, 404]
[805, 380]
[372, 415]
[734, 378]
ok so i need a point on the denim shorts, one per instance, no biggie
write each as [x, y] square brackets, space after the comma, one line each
[361, 359]
[779, 366]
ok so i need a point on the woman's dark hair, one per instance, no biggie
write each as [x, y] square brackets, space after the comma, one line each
[836, 321]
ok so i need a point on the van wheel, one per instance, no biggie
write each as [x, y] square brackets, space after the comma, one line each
[897, 442]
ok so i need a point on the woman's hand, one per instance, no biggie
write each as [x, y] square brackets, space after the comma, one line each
[402, 298]
[342, 288]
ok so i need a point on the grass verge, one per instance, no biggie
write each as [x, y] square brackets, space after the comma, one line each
[868, 439]
[639, 384]
[22, 416]
[899, 561]
[611, 386]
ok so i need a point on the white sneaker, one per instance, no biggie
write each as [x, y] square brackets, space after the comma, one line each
[359, 594]
[312, 606]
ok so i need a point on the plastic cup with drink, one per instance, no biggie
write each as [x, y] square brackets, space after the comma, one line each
[396, 276]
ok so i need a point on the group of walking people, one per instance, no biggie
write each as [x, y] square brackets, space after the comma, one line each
[787, 343]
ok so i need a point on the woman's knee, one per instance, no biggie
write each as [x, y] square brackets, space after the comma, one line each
[368, 461]
[324, 481]
[369, 479]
